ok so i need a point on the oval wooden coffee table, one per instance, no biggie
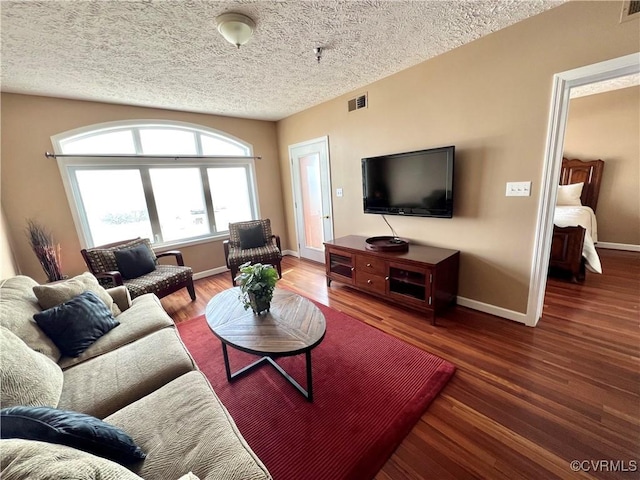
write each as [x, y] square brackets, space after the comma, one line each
[293, 326]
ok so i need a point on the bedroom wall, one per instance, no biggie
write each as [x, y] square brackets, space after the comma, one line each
[491, 100]
[32, 186]
[606, 126]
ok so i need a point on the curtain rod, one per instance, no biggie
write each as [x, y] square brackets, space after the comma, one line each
[175, 157]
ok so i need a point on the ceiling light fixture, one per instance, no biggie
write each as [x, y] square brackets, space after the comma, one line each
[235, 28]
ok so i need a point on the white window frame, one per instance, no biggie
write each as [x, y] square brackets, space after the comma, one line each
[69, 164]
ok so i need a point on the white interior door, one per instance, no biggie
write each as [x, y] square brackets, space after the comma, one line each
[312, 196]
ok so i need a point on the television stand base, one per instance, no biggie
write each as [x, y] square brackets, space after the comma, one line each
[386, 244]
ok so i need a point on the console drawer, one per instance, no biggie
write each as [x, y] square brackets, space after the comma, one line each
[370, 265]
[373, 283]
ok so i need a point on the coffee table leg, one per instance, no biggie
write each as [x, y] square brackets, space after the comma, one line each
[309, 382]
[226, 361]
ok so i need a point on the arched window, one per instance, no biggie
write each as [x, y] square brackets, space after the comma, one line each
[172, 182]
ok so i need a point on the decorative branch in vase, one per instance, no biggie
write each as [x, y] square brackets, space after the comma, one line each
[46, 250]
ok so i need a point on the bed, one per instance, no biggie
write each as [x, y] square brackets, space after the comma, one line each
[575, 228]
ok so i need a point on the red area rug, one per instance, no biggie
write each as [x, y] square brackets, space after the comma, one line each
[369, 390]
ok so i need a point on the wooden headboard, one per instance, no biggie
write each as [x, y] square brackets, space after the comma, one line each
[590, 172]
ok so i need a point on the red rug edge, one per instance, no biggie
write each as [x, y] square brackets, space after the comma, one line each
[378, 455]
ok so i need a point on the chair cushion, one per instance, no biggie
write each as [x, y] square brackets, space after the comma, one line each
[103, 259]
[267, 254]
[163, 277]
[251, 237]
[234, 230]
[69, 428]
[27, 377]
[75, 325]
[34, 460]
[135, 261]
[52, 294]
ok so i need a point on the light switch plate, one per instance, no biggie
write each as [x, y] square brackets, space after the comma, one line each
[518, 189]
[338, 192]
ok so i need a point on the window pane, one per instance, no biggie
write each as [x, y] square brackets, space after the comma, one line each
[114, 217]
[230, 195]
[218, 146]
[110, 143]
[165, 141]
[180, 202]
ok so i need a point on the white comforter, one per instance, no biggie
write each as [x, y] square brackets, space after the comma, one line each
[585, 217]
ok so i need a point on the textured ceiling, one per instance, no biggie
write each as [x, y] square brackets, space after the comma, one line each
[168, 53]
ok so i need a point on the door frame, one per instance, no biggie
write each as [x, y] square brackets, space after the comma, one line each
[325, 140]
[562, 84]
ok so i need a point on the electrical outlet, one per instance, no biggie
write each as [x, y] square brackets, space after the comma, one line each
[338, 192]
[518, 189]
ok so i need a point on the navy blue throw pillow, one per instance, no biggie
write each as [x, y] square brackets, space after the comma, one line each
[251, 237]
[74, 325]
[135, 261]
[72, 429]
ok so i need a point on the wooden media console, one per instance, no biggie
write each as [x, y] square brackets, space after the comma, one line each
[423, 278]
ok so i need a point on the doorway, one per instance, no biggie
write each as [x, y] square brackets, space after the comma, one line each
[310, 175]
[562, 84]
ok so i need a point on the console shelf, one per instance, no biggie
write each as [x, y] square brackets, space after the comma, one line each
[423, 278]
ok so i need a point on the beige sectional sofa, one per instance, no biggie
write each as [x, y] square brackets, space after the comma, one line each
[139, 377]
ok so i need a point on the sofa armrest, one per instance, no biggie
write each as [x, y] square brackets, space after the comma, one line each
[121, 297]
[175, 253]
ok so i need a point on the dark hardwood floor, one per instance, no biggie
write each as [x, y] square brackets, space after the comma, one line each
[524, 402]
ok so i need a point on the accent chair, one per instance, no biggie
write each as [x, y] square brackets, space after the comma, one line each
[253, 242]
[134, 264]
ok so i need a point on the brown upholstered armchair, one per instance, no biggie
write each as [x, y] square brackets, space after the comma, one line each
[133, 263]
[253, 242]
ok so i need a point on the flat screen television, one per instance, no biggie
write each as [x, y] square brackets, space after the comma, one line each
[414, 183]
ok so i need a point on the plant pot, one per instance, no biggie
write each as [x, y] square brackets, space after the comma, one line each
[259, 304]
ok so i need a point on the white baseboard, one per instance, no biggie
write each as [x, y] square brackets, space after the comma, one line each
[210, 272]
[217, 270]
[618, 246]
[493, 310]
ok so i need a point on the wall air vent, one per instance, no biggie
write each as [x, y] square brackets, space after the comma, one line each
[630, 10]
[357, 103]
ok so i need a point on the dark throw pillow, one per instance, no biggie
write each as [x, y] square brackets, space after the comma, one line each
[251, 237]
[135, 261]
[74, 325]
[72, 429]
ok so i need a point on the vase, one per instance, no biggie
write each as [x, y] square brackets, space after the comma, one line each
[259, 304]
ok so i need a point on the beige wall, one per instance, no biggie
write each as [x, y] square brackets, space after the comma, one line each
[491, 100]
[607, 126]
[32, 187]
[7, 262]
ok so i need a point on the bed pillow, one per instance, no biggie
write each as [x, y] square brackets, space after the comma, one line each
[53, 294]
[135, 261]
[27, 377]
[251, 237]
[569, 195]
[72, 429]
[74, 325]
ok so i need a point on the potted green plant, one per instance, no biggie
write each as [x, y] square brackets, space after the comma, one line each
[256, 282]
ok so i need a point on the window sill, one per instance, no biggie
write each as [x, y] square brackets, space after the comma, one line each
[164, 247]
